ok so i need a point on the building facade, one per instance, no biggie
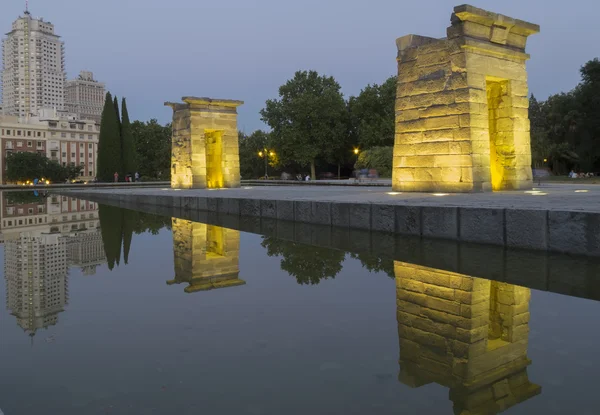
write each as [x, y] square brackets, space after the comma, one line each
[61, 137]
[33, 75]
[85, 97]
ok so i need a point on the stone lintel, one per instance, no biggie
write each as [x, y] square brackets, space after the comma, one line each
[176, 106]
[487, 48]
[470, 13]
[213, 102]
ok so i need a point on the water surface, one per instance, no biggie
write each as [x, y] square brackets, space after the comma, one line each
[142, 314]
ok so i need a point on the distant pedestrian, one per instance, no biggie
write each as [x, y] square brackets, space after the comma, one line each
[307, 178]
[137, 176]
[116, 175]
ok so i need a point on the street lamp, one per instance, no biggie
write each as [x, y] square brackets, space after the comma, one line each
[266, 154]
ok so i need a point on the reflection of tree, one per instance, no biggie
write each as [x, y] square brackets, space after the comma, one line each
[118, 226]
[375, 264]
[309, 264]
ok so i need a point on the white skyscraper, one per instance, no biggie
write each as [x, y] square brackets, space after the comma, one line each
[33, 74]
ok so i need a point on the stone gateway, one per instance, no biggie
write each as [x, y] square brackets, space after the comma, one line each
[205, 150]
[462, 107]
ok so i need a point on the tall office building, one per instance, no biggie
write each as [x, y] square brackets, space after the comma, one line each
[85, 97]
[33, 75]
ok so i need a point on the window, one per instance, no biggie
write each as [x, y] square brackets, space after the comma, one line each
[90, 145]
[63, 135]
[72, 155]
[20, 211]
[80, 145]
[40, 144]
[19, 144]
[7, 132]
[18, 132]
[81, 136]
[28, 133]
[30, 211]
[72, 135]
[39, 134]
[29, 144]
[90, 137]
[64, 154]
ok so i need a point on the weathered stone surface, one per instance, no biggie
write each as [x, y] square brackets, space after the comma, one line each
[205, 151]
[474, 81]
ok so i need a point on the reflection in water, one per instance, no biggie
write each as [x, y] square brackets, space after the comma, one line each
[465, 333]
[206, 256]
[308, 264]
[43, 237]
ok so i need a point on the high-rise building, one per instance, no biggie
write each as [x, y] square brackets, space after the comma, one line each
[33, 75]
[85, 96]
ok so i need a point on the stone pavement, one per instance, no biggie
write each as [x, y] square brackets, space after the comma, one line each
[554, 217]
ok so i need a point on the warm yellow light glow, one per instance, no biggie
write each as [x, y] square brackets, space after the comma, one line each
[394, 193]
[272, 153]
[581, 191]
[84, 182]
[440, 194]
[47, 181]
[356, 150]
[260, 154]
[545, 160]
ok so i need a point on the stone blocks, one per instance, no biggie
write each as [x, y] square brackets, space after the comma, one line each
[205, 150]
[461, 119]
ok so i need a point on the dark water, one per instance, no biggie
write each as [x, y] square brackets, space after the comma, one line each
[198, 319]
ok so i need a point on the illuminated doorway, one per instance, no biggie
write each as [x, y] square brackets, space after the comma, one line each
[214, 159]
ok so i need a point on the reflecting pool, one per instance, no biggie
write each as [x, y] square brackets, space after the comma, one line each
[113, 311]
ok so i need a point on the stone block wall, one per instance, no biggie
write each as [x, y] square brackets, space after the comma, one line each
[462, 108]
[206, 256]
[465, 333]
[205, 148]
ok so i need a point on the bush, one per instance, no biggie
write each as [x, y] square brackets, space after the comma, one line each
[378, 158]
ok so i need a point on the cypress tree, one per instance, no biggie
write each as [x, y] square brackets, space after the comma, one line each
[109, 142]
[116, 105]
[130, 165]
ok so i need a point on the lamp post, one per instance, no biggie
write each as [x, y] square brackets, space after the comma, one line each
[266, 154]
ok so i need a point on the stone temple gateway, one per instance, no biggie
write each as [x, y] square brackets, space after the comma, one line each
[205, 150]
[462, 107]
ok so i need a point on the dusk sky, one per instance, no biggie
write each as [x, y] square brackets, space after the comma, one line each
[151, 51]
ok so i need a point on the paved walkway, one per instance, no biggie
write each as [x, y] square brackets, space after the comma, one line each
[560, 197]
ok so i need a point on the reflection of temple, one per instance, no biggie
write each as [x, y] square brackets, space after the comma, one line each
[464, 333]
[206, 256]
[35, 268]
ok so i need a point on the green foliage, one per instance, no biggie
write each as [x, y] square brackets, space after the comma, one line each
[308, 264]
[309, 120]
[109, 143]
[21, 167]
[152, 143]
[23, 198]
[372, 115]
[565, 129]
[128, 143]
[252, 165]
[111, 220]
[117, 113]
[373, 263]
[378, 158]
[117, 227]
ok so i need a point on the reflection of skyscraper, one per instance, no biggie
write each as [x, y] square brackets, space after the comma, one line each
[206, 256]
[465, 333]
[35, 268]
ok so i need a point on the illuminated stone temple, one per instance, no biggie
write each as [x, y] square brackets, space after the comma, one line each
[205, 151]
[467, 334]
[206, 256]
[462, 106]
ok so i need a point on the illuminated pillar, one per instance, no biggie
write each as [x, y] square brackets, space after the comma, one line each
[206, 256]
[467, 334]
[205, 150]
[462, 107]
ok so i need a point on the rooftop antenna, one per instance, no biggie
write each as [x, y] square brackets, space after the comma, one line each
[26, 6]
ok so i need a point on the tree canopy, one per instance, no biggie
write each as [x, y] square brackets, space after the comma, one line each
[23, 166]
[109, 142]
[152, 143]
[372, 115]
[130, 165]
[308, 121]
[565, 129]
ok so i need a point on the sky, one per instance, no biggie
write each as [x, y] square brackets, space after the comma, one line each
[152, 51]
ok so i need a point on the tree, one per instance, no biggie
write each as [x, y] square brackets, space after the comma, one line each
[128, 143]
[118, 114]
[252, 165]
[153, 147]
[24, 166]
[111, 222]
[373, 263]
[308, 119]
[372, 115]
[378, 158]
[109, 143]
[308, 264]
